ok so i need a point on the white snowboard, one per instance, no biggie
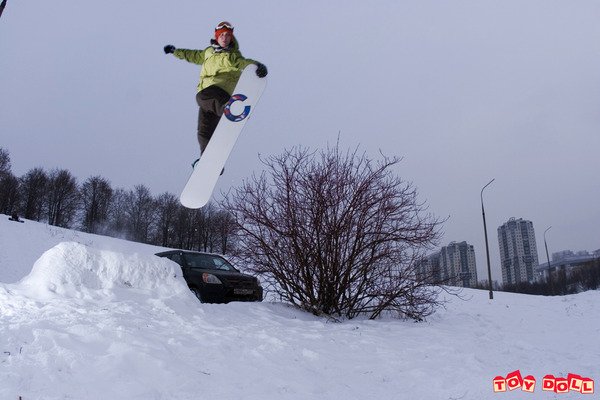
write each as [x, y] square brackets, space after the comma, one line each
[199, 188]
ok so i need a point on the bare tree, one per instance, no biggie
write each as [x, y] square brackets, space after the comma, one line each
[224, 231]
[336, 233]
[9, 193]
[62, 198]
[140, 211]
[186, 232]
[202, 223]
[167, 206]
[206, 220]
[96, 195]
[117, 214]
[32, 188]
[9, 185]
[5, 165]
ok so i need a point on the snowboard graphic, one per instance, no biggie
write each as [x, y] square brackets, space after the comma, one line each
[200, 185]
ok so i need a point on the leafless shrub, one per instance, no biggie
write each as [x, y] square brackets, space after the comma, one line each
[337, 234]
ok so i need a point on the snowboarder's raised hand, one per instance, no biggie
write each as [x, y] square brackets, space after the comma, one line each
[169, 49]
[261, 70]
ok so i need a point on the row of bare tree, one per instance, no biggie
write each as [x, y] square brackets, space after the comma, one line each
[561, 282]
[95, 206]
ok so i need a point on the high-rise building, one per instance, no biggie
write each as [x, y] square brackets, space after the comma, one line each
[453, 265]
[457, 260]
[429, 268]
[518, 251]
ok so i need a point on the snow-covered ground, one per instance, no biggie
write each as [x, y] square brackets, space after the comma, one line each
[90, 317]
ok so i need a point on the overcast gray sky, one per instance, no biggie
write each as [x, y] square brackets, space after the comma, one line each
[464, 91]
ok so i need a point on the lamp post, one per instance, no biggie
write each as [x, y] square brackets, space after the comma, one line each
[487, 250]
[547, 256]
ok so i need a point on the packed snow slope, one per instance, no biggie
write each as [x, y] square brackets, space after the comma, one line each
[88, 317]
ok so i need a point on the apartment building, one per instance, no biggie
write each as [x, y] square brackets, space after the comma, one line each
[518, 251]
[454, 265]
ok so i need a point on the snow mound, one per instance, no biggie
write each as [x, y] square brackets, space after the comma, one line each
[72, 269]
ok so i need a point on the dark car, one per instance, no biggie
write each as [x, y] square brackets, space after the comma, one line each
[213, 279]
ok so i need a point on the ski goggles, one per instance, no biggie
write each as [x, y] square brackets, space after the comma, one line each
[224, 25]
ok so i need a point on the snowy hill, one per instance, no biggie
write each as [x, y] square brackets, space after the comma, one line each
[91, 317]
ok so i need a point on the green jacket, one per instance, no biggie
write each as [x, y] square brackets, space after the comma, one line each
[218, 68]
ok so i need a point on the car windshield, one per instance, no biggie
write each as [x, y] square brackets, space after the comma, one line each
[207, 261]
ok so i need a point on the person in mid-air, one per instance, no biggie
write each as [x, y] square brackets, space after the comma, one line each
[222, 64]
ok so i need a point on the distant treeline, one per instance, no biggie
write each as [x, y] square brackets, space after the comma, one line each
[561, 282]
[94, 206]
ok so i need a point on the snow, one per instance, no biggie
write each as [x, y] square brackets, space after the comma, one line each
[89, 317]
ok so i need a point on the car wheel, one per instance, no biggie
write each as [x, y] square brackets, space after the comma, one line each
[197, 293]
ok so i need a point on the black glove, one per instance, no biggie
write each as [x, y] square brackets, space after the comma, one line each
[261, 70]
[169, 49]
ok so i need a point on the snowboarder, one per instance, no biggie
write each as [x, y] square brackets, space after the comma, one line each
[222, 64]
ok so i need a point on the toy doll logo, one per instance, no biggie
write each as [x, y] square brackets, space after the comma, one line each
[550, 383]
[513, 381]
[227, 111]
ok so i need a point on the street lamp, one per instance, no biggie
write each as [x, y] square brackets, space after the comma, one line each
[487, 250]
[546, 245]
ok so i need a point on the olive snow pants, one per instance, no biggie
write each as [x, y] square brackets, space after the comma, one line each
[212, 101]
